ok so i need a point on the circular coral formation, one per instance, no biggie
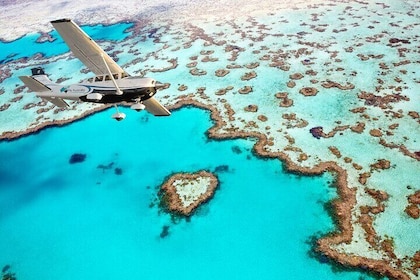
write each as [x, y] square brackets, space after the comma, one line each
[192, 64]
[413, 211]
[182, 87]
[296, 76]
[248, 76]
[197, 72]
[291, 84]
[251, 108]
[245, 90]
[375, 133]
[221, 72]
[262, 118]
[308, 91]
[412, 208]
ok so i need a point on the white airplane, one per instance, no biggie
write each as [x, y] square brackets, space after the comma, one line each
[111, 85]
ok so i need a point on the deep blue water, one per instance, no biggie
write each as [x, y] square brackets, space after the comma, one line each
[19, 48]
[65, 221]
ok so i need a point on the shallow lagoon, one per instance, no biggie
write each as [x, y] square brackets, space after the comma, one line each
[18, 49]
[61, 220]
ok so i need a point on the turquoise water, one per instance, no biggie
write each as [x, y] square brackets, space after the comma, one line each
[19, 48]
[68, 221]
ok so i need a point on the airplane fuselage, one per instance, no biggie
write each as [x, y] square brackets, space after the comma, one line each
[101, 89]
[111, 85]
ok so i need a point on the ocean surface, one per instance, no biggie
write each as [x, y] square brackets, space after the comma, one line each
[18, 49]
[65, 221]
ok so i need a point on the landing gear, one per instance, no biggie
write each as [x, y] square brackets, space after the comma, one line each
[138, 107]
[118, 116]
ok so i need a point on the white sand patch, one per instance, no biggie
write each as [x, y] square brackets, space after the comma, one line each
[191, 190]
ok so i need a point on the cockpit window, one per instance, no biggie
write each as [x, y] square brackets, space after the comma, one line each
[115, 76]
[107, 78]
[124, 75]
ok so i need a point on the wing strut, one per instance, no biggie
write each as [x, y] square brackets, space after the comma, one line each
[119, 91]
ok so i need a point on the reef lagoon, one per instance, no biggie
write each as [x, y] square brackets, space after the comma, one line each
[62, 220]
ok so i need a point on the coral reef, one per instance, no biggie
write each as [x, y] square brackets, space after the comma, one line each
[77, 158]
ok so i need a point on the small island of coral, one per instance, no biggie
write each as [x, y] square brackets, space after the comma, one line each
[182, 193]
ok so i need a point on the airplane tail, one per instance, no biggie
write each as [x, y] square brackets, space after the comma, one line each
[39, 82]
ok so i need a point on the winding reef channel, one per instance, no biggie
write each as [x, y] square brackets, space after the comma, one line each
[328, 86]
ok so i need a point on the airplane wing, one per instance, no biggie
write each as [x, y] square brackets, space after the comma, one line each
[154, 107]
[85, 49]
[59, 102]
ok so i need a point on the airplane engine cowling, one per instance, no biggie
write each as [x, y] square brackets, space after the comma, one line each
[94, 96]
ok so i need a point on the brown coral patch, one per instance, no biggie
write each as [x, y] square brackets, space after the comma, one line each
[291, 84]
[4, 107]
[248, 76]
[251, 108]
[252, 65]
[335, 151]
[358, 128]
[402, 148]
[381, 101]
[381, 164]
[414, 114]
[413, 211]
[331, 84]
[412, 208]
[296, 76]
[171, 200]
[308, 91]
[262, 118]
[197, 72]
[414, 198]
[245, 90]
[221, 72]
[192, 64]
[286, 102]
[281, 95]
[182, 87]
[363, 177]
[209, 59]
[375, 133]
[358, 110]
